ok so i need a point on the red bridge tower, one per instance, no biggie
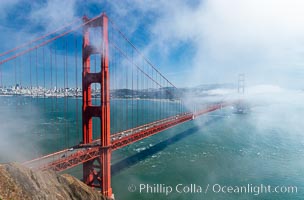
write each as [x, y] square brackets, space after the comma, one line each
[97, 172]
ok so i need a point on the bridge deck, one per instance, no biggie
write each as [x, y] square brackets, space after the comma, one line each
[76, 155]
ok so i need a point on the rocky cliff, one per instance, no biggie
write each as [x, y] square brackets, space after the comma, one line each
[20, 183]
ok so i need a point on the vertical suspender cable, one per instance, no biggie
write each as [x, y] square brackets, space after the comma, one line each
[151, 85]
[138, 96]
[155, 111]
[161, 88]
[67, 99]
[44, 87]
[163, 97]
[143, 104]
[154, 89]
[51, 89]
[76, 83]
[168, 99]
[64, 90]
[147, 102]
[132, 116]
[43, 58]
[56, 80]
[121, 106]
[145, 98]
[36, 66]
[168, 104]
[160, 98]
[113, 79]
[164, 102]
[31, 91]
[20, 72]
[157, 90]
[31, 87]
[56, 85]
[114, 87]
[145, 108]
[127, 122]
[15, 69]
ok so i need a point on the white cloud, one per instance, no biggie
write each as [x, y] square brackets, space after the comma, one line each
[262, 38]
[229, 37]
[5, 5]
[54, 13]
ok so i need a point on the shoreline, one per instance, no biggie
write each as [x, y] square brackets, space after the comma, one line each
[80, 97]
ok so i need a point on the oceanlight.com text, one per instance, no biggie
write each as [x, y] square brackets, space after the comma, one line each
[216, 188]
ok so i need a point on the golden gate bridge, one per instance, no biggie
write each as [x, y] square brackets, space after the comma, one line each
[114, 73]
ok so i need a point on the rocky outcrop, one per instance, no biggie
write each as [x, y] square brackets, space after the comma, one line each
[20, 183]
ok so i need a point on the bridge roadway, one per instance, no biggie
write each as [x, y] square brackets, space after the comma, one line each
[81, 153]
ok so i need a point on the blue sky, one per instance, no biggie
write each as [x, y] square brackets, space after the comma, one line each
[191, 42]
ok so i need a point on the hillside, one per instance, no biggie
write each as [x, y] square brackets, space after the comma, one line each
[20, 183]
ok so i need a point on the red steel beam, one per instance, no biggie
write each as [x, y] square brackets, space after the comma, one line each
[105, 134]
[87, 112]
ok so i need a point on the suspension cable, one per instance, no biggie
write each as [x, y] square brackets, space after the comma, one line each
[39, 38]
[47, 41]
[76, 82]
[137, 50]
